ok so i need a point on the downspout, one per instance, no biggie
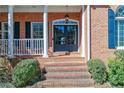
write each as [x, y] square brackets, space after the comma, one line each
[88, 32]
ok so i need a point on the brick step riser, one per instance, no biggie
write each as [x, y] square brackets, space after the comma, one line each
[69, 70]
[68, 77]
[63, 69]
[68, 84]
[60, 65]
[65, 64]
[60, 60]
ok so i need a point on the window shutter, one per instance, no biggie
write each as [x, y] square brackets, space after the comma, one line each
[0, 26]
[28, 29]
[17, 30]
[111, 29]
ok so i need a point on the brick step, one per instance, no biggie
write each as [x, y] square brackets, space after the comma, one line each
[68, 75]
[75, 63]
[61, 58]
[68, 83]
[66, 68]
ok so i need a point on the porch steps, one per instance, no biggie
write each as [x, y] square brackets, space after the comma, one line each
[71, 72]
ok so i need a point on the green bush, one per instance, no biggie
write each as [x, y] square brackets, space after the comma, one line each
[5, 71]
[24, 72]
[116, 72]
[98, 70]
[119, 54]
[6, 85]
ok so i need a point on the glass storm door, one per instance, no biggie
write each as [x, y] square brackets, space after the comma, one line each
[65, 38]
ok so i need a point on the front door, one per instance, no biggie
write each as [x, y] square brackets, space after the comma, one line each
[65, 38]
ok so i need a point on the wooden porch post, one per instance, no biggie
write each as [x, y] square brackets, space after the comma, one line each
[45, 31]
[10, 31]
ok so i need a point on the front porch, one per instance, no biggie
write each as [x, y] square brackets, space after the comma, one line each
[42, 30]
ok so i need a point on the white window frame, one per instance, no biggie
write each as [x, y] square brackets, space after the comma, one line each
[118, 19]
[32, 29]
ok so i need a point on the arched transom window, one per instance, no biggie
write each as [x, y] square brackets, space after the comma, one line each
[120, 11]
[62, 21]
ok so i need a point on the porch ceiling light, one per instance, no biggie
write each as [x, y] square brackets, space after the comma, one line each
[66, 16]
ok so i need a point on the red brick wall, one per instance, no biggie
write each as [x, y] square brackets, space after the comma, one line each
[99, 33]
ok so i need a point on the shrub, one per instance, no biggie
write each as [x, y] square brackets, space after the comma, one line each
[5, 71]
[24, 71]
[98, 70]
[6, 85]
[119, 54]
[116, 72]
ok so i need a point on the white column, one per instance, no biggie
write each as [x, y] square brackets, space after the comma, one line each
[45, 31]
[88, 32]
[83, 31]
[10, 31]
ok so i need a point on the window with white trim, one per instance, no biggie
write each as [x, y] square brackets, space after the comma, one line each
[4, 30]
[119, 26]
[37, 30]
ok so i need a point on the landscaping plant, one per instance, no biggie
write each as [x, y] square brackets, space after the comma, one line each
[24, 72]
[6, 85]
[116, 72]
[5, 71]
[119, 55]
[98, 70]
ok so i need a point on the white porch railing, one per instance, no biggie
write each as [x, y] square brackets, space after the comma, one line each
[3, 46]
[23, 46]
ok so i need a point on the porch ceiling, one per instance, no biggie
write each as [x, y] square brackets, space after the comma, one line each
[38, 8]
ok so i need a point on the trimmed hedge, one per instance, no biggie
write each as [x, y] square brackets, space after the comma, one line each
[24, 72]
[98, 70]
[116, 73]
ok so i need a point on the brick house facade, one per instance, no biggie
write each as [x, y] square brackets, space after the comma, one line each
[97, 25]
